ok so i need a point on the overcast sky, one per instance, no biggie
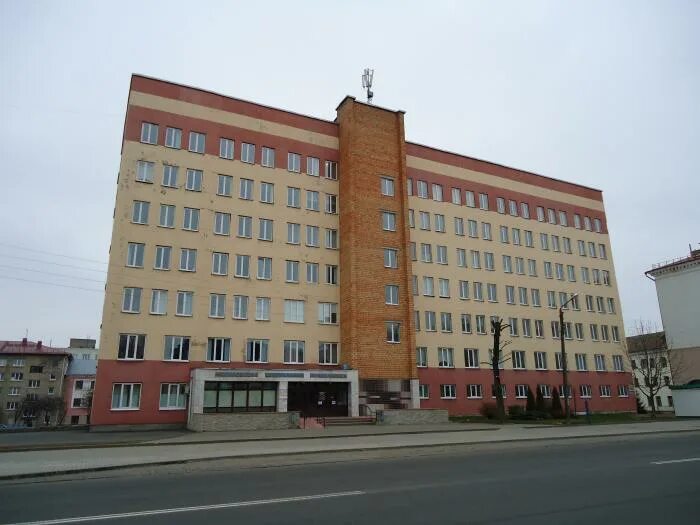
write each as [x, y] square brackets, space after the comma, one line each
[604, 94]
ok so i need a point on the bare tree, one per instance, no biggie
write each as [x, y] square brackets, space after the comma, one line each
[496, 360]
[652, 367]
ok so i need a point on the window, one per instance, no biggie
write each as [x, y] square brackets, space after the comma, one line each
[170, 174]
[602, 251]
[126, 396]
[328, 313]
[521, 391]
[219, 264]
[177, 348]
[551, 216]
[471, 357]
[293, 311]
[393, 332]
[268, 157]
[411, 219]
[312, 273]
[131, 346]
[219, 349]
[267, 192]
[167, 216]
[478, 291]
[525, 210]
[422, 189]
[504, 234]
[327, 353]
[622, 391]
[197, 142]
[193, 181]
[217, 305]
[262, 308]
[437, 192]
[513, 208]
[567, 244]
[312, 166]
[391, 294]
[599, 362]
[159, 302]
[464, 290]
[422, 357]
[331, 171]
[581, 363]
[594, 332]
[312, 239]
[265, 230]
[476, 259]
[331, 274]
[409, 187]
[486, 231]
[416, 317]
[459, 226]
[222, 223]
[292, 272]
[188, 260]
[606, 277]
[245, 189]
[585, 391]
[134, 255]
[294, 352]
[481, 324]
[540, 213]
[539, 328]
[331, 239]
[441, 254]
[240, 307]
[448, 391]
[140, 212]
[445, 357]
[230, 396]
[131, 301]
[615, 334]
[184, 303]
[248, 153]
[226, 148]
[144, 171]
[390, 258]
[293, 233]
[172, 396]
[528, 239]
[587, 223]
[387, 186]
[540, 361]
[555, 243]
[331, 204]
[190, 219]
[173, 138]
[149, 133]
[293, 197]
[579, 331]
[500, 205]
[294, 162]
[544, 241]
[527, 328]
[439, 223]
[446, 322]
[469, 199]
[245, 226]
[483, 201]
[461, 258]
[426, 253]
[388, 221]
[518, 357]
[430, 323]
[492, 295]
[424, 220]
[456, 196]
[312, 200]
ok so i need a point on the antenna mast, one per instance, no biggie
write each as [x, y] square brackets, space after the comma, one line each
[367, 77]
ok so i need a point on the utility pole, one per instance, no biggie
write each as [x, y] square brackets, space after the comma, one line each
[564, 368]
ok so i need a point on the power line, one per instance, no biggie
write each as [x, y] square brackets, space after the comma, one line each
[50, 284]
[52, 253]
[51, 273]
[51, 262]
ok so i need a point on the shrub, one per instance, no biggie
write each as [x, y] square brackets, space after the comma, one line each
[530, 406]
[557, 410]
[489, 410]
[640, 407]
[540, 403]
[516, 411]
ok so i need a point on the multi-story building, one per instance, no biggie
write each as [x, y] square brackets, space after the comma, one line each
[263, 260]
[652, 370]
[83, 349]
[29, 370]
[79, 388]
[678, 288]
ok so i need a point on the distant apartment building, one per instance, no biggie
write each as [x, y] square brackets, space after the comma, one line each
[652, 370]
[266, 261]
[83, 349]
[79, 388]
[678, 289]
[29, 370]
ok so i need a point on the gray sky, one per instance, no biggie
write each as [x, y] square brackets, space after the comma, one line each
[595, 92]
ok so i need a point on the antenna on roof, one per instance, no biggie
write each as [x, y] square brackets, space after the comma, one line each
[367, 77]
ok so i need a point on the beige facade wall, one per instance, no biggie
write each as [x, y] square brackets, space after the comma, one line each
[199, 327]
[454, 273]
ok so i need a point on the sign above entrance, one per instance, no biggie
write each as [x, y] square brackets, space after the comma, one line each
[284, 374]
[234, 373]
[327, 375]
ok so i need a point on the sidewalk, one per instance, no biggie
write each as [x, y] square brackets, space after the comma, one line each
[179, 450]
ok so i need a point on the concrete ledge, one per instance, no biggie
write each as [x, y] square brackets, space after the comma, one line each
[243, 421]
[135, 428]
[408, 416]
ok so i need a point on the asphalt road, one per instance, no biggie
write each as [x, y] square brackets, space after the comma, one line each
[636, 480]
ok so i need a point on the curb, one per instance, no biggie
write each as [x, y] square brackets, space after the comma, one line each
[118, 444]
[307, 452]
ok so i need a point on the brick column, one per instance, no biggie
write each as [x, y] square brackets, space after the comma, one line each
[372, 145]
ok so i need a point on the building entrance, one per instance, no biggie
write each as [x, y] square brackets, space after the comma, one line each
[318, 399]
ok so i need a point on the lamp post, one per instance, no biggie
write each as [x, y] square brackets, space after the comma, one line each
[564, 371]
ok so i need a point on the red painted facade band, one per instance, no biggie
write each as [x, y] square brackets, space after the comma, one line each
[213, 130]
[213, 100]
[461, 377]
[493, 192]
[151, 373]
[482, 166]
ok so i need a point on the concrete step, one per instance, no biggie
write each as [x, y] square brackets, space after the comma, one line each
[338, 421]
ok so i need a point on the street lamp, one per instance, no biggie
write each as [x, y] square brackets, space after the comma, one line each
[564, 371]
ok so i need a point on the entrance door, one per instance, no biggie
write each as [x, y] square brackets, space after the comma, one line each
[318, 399]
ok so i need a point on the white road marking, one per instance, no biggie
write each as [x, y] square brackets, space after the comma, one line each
[686, 460]
[192, 509]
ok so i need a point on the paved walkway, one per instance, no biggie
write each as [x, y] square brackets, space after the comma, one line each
[23, 464]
